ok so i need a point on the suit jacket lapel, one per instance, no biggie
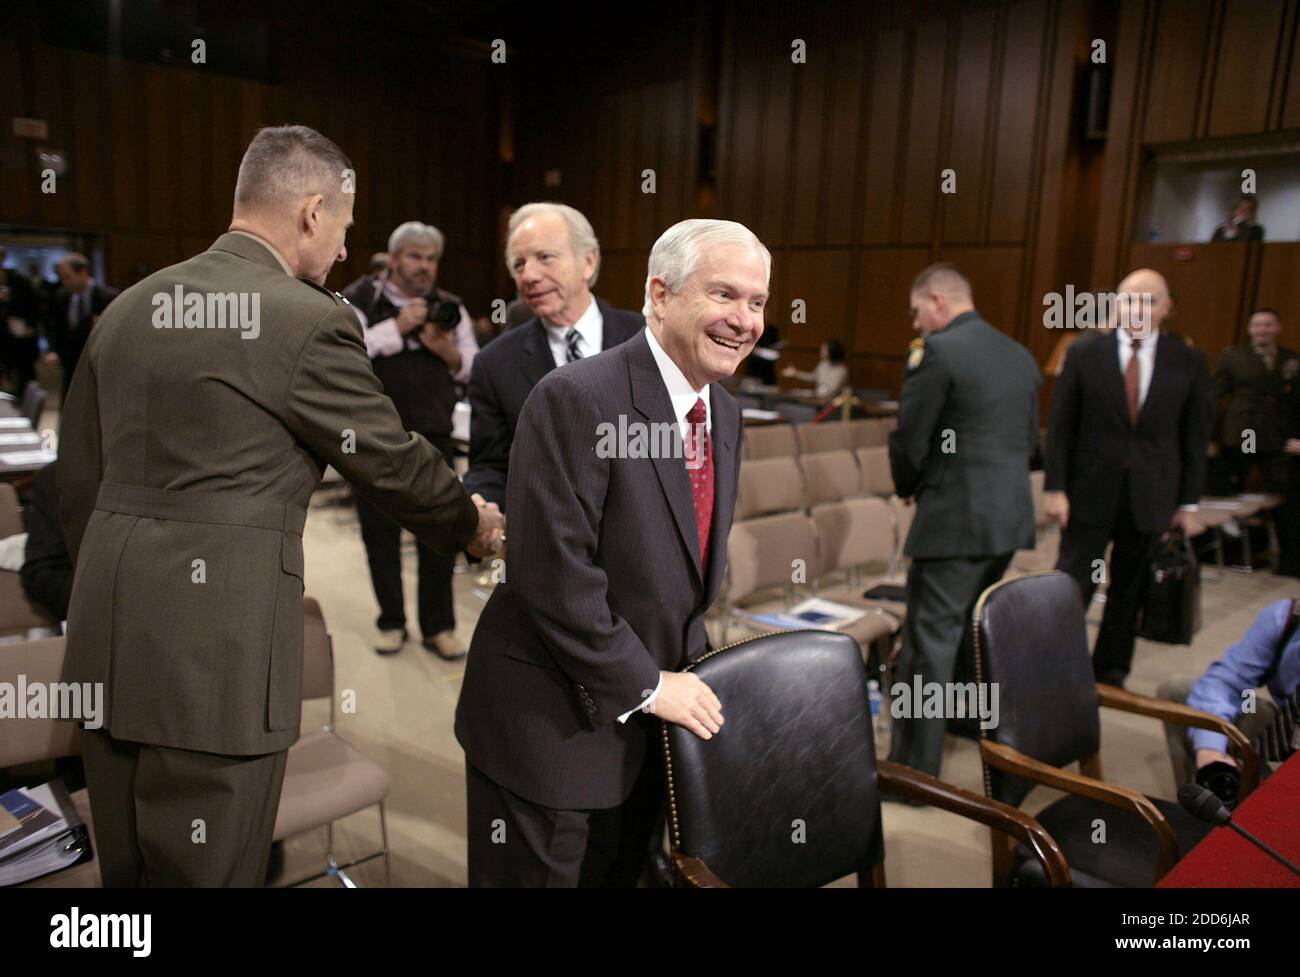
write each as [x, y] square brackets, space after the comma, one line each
[538, 360]
[723, 438]
[651, 400]
[1159, 373]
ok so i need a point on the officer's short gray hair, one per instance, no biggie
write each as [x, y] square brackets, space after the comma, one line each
[676, 254]
[413, 232]
[283, 164]
[942, 276]
[581, 236]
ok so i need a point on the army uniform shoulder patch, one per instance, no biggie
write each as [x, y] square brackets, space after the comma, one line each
[915, 353]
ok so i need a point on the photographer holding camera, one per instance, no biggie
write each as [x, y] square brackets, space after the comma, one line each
[421, 344]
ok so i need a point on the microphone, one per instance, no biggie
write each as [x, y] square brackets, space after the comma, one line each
[1204, 806]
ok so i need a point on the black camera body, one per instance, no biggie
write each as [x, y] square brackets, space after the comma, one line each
[444, 315]
[1223, 780]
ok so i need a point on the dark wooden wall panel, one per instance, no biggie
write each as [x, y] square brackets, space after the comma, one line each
[1207, 289]
[1017, 101]
[920, 176]
[1291, 97]
[884, 278]
[1279, 287]
[880, 164]
[970, 124]
[1243, 75]
[1174, 92]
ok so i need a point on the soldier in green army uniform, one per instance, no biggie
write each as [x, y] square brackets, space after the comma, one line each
[208, 402]
[1252, 389]
[967, 428]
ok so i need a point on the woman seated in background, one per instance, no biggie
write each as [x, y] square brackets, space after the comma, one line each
[829, 376]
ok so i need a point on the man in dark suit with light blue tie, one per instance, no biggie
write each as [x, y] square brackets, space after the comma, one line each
[616, 552]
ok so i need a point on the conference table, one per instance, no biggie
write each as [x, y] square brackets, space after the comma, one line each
[1226, 860]
[22, 451]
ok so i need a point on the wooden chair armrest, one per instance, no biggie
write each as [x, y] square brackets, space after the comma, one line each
[1182, 715]
[694, 874]
[914, 784]
[1013, 761]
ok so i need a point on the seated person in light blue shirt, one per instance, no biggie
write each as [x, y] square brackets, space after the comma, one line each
[1260, 659]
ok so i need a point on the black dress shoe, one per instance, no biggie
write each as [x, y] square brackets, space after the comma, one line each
[658, 872]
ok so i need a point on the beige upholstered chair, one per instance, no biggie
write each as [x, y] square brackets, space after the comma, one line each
[325, 778]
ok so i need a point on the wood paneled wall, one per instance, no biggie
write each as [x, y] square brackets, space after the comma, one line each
[837, 163]
[1188, 71]
[154, 150]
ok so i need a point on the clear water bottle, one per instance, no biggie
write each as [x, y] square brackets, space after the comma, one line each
[873, 697]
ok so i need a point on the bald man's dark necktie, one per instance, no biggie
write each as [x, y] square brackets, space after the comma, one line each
[699, 464]
[1133, 382]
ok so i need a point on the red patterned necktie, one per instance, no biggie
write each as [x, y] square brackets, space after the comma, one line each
[1133, 382]
[699, 464]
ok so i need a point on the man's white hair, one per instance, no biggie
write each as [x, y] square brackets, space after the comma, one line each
[677, 253]
[414, 232]
[581, 236]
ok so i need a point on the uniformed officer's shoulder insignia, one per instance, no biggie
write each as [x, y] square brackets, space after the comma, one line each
[915, 353]
[338, 299]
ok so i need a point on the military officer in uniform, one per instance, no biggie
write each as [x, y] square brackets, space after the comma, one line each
[1250, 391]
[209, 399]
[967, 427]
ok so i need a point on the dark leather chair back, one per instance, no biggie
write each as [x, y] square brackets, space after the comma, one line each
[1030, 638]
[786, 794]
[33, 403]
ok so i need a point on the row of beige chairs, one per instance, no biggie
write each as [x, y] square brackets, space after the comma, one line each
[325, 778]
[785, 440]
[803, 527]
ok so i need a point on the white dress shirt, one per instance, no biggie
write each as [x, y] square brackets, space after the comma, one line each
[385, 339]
[1146, 369]
[683, 397]
[591, 333]
[1146, 360]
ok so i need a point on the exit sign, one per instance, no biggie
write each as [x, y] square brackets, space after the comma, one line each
[31, 128]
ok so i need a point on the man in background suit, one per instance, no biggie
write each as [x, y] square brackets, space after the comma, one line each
[77, 307]
[1126, 448]
[19, 322]
[1252, 386]
[967, 427]
[211, 397]
[614, 559]
[554, 256]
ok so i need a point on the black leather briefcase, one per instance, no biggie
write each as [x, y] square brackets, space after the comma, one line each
[1171, 610]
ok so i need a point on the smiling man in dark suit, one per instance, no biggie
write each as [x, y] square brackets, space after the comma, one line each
[554, 256]
[614, 559]
[1126, 449]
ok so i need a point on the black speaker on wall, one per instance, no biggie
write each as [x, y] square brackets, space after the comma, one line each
[1096, 101]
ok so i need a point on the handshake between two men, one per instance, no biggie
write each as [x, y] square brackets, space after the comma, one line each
[491, 534]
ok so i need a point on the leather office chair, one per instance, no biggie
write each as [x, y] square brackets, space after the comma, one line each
[1029, 638]
[325, 778]
[33, 404]
[797, 758]
[18, 615]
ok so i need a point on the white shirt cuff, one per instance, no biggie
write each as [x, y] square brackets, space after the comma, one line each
[1194, 507]
[384, 339]
[645, 706]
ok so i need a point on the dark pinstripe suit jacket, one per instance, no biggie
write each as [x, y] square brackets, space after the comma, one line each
[602, 590]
